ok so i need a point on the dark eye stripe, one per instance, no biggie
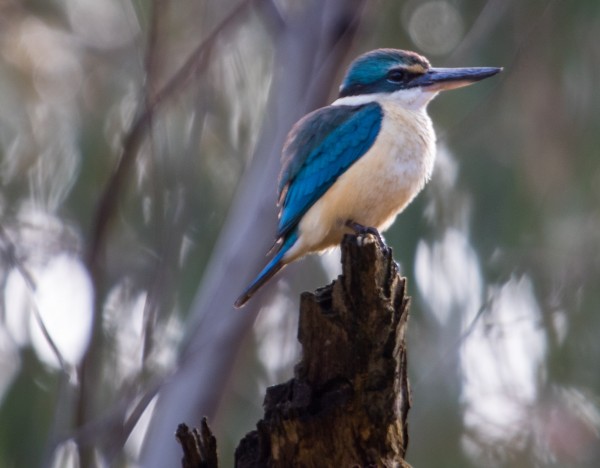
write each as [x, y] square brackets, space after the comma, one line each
[401, 76]
[397, 76]
[394, 79]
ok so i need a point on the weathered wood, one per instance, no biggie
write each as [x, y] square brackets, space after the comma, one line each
[348, 402]
[199, 446]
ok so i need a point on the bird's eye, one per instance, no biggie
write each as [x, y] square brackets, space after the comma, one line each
[396, 76]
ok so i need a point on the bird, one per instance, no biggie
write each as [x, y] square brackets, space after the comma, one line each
[355, 164]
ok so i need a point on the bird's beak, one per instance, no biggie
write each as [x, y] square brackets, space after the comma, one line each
[441, 79]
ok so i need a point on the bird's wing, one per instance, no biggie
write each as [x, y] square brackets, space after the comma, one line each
[320, 148]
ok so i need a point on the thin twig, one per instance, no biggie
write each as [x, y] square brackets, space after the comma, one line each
[151, 65]
[196, 62]
[113, 417]
[485, 307]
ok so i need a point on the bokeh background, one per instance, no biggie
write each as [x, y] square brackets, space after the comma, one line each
[139, 146]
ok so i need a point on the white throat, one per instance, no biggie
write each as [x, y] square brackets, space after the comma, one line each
[412, 99]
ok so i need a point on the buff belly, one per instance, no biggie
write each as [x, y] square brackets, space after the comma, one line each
[376, 188]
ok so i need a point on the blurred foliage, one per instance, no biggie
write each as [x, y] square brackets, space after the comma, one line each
[501, 250]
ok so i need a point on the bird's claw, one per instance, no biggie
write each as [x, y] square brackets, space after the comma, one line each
[361, 230]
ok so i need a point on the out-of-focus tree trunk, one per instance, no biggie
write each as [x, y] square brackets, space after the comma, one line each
[309, 50]
[348, 402]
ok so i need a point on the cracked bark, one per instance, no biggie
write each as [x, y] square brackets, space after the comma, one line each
[348, 401]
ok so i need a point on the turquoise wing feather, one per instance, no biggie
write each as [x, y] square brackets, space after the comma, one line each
[319, 149]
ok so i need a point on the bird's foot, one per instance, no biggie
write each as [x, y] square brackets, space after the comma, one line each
[361, 230]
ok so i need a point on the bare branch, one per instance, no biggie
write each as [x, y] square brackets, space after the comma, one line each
[197, 61]
[215, 329]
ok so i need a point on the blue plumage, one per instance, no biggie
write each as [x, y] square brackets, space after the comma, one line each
[325, 144]
[271, 269]
[322, 147]
[369, 73]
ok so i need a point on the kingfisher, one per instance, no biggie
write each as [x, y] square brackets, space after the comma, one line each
[354, 165]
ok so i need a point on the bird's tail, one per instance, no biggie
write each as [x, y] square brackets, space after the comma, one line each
[268, 272]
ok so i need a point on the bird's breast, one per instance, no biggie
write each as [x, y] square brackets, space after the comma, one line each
[379, 185]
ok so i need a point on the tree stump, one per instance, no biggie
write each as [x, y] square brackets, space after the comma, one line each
[348, 402]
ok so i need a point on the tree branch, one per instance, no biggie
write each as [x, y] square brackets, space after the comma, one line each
[214, 329]
[131, 144]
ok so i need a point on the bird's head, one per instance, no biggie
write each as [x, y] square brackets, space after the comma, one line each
[403, 76]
